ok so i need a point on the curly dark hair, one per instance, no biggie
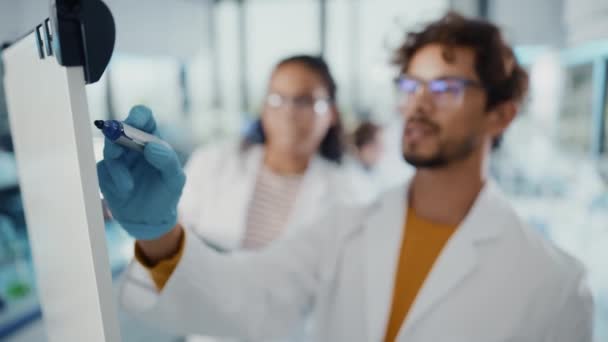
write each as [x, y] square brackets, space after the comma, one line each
[332, 146]
[502, 77]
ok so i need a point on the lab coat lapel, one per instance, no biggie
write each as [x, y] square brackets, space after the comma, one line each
[459, 258]
[383, 235]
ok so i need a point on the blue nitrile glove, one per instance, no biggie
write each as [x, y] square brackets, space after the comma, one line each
[142, 189]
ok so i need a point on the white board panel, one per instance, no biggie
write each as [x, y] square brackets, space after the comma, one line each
[52, 135]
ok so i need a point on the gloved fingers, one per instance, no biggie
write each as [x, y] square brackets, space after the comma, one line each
[112, 150]
[115, 178]
[106, 184]
[130, 158]
[165, 160]
[141, 118]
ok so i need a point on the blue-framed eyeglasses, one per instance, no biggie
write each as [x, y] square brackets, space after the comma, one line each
[446, 92]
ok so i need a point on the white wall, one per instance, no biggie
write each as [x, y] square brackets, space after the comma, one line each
[275, 30]
[552, 22]
[465, 7]
[526, 22]
[17, 17]
[12, 23]
[159, 27]
[7, 20]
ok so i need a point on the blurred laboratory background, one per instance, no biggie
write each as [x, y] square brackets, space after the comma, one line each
[202, 67]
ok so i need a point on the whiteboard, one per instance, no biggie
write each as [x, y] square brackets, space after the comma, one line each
[51, 129]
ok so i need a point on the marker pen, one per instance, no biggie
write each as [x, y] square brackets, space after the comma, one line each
[125, 135]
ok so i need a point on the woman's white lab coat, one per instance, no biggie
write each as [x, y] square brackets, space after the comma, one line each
[495, 281]
[220, 184]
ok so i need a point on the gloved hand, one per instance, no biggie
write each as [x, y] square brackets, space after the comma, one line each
[142, 189]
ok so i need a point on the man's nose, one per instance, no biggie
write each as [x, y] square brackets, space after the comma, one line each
[421, 103]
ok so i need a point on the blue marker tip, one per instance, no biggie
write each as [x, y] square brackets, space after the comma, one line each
[111, 129]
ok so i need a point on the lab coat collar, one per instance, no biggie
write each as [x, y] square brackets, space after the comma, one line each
[458, 259]
[383, 233]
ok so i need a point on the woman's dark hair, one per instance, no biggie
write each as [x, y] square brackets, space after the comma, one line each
[332, 145]
[499, 71]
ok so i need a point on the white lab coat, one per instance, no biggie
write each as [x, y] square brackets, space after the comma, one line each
[494, 281]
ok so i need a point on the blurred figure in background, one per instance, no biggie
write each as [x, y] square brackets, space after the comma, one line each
[367, 140]
[363, 164]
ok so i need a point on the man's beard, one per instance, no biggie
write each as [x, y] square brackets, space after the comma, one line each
[446, 155]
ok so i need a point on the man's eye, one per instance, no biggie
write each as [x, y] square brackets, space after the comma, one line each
[409, 86]
[445, 87]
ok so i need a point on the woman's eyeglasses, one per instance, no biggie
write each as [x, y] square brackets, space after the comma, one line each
[304, 104]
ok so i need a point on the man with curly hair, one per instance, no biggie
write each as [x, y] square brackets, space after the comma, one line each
[444, 258]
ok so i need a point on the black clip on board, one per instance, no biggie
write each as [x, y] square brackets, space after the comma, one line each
[78, 33]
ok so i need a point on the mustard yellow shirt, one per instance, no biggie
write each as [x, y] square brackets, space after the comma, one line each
[421, 245]
[161, 271]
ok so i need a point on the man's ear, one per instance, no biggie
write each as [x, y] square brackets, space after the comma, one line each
[501, 117]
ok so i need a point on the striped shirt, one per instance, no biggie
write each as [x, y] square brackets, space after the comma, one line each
[270, 208]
